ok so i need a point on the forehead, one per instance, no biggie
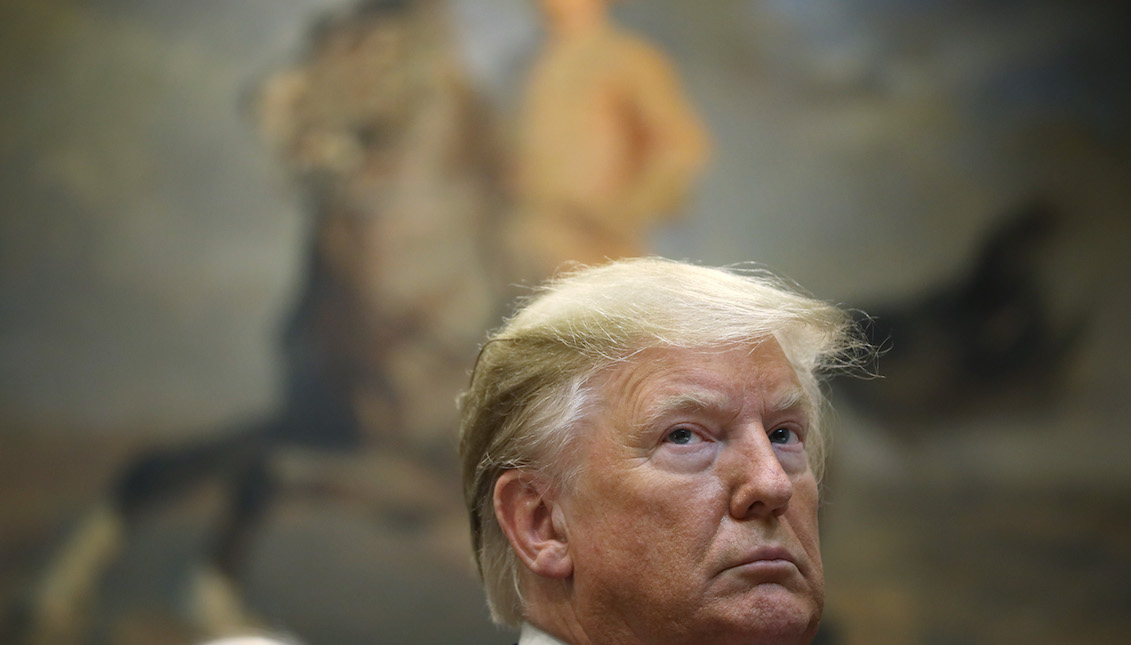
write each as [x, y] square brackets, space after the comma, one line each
[661, 380]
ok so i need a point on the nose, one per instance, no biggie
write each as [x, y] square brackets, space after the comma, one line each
[759, 485]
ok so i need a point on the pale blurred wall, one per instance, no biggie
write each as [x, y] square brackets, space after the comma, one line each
[150, 244]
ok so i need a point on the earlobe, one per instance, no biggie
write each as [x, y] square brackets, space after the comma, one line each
[533, 522]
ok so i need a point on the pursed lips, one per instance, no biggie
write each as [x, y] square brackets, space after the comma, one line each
[766, 557]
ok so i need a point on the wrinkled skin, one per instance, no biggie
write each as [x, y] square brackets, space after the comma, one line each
[695, 518]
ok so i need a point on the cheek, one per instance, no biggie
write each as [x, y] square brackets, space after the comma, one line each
[650, 518]
[803, 517]
[620, 546]
[646, 552]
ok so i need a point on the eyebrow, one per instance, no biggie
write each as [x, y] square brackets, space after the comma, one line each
[787, 398]
[791, 397]
[694, 401]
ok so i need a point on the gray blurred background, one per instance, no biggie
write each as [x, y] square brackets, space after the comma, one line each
[151, 245]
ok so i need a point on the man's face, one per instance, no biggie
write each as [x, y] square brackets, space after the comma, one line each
[695, 517]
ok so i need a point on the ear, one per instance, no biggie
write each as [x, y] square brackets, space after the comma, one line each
[533, 522]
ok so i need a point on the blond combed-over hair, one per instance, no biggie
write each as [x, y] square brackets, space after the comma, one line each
[530, 386]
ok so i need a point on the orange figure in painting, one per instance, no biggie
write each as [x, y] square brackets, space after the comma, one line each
[607, 144]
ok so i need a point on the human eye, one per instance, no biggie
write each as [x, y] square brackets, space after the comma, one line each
[686, 448]
[784, 436]
[682, 436]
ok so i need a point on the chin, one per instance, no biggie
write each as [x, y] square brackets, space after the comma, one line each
[777, 616]
[771, 633]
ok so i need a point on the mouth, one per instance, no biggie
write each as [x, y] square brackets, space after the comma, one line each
[766, 560]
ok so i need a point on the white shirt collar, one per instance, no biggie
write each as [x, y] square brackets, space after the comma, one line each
[531, 635]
